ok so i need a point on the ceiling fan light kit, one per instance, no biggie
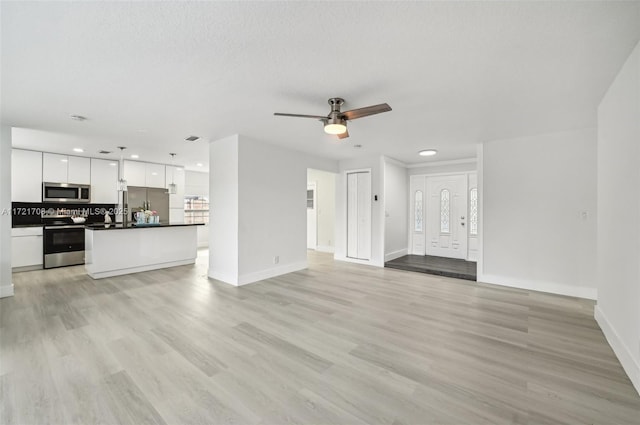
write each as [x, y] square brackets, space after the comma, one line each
[336, 121]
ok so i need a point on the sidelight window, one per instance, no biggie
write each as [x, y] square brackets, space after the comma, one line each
[473, 212]
[417, 212]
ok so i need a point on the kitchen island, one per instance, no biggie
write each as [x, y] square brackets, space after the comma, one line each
[117, 249]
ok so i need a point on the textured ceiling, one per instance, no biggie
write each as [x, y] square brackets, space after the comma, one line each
[455, 73]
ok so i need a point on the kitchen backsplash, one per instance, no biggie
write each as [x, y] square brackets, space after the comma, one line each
[30, 213]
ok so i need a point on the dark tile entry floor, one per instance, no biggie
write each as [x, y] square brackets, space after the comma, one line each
[450, 267]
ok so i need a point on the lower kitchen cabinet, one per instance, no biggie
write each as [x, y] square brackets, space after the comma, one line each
[26, 247]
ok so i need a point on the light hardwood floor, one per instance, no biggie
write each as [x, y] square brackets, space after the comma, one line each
[337, 343]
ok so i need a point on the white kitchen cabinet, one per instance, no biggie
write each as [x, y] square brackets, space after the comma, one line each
[26, 176]
[135, 173]
[79, 170]
[175, 174]
[144, 174]
[104, 181]
[154, 175]
[54, 167]
[26, 247]
[58, 168]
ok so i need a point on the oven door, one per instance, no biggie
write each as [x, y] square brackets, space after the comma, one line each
[63, 239]
[63, 246]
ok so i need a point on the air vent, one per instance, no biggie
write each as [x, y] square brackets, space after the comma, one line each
[104, 152]
[191, 138]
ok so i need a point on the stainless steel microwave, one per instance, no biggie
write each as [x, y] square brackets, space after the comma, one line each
[66, 192]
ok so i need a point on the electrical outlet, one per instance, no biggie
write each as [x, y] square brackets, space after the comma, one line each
[276, 259]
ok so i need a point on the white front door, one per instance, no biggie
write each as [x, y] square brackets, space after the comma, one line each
[359, 215]
[312, 217]
[446, 218]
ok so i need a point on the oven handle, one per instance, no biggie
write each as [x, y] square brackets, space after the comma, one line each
[70, 226]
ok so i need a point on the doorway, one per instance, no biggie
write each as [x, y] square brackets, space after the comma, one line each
[444, 214]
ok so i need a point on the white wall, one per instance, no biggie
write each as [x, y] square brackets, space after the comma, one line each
[443, 167]
[396, 192]
[197, 183]
[375, 164]
[6, 287]
[325, 207]
[223, 214]
[535, 191]
[618, 309]
[266, 187]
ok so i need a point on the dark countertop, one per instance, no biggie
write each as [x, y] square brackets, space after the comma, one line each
[120, 226]
[17, 226]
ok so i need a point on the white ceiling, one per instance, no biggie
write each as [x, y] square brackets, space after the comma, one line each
[148, 74]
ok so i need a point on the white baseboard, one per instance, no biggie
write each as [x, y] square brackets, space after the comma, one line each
[356, 261]
[395, 254]
[252, 277]
[231, 279]
[119, 272]
[542, 286]
[629, 363]
[6, 290]
[325, 248]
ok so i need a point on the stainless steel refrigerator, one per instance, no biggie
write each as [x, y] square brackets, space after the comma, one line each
[141, 198]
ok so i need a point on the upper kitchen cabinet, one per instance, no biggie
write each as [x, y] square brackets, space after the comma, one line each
[155, 175]
[79, 170]
[144, 174]
[65, 169]
[104, 181]
[26, 176]
[176, 175]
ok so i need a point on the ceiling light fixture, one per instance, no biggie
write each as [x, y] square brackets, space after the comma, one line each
[78, 150]
[78, 118]
[191, 138]
[173, 188]
[122, 183]
[335, 125]
[134, 156]
[428, 152]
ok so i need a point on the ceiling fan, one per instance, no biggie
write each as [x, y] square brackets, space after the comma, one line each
[336, 121]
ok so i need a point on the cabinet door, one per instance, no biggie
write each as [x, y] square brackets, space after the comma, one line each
[104, 181]
[26, 176]
[175, 175]
[155, 175]
[134, 173]
[79, 170]
[26, 251]
[54, 168]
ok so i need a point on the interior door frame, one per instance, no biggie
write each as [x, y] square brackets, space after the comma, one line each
[411, 209]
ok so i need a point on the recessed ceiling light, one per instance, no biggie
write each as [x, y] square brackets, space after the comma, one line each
[134, 156]
[199, 164]
[104, 152]
[154, 174]
[78, 150]
[428, 152]
[78, 118]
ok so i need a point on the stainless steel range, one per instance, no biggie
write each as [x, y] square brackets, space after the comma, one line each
[63, 240]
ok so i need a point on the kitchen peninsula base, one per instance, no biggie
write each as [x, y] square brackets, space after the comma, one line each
[113, 250]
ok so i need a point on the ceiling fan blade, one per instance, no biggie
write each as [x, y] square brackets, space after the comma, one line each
[366, 111]
[343, 135]
[317, 117]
